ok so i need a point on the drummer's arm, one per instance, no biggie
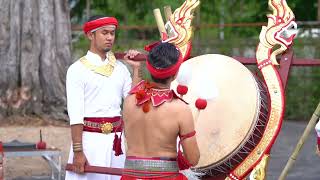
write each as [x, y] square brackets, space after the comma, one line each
[189, 145]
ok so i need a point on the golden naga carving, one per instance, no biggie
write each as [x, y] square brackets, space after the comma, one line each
[178, 29]
[259, 172]
[279, 32]
[281, 29]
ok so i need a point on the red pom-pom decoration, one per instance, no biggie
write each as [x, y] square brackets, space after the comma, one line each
[41, 145]
[201, 103]
[182, 90]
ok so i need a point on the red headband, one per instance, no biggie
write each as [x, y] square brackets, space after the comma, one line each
[92, 25]
[166, 72]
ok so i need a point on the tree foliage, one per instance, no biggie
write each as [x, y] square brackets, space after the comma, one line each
[139, 12]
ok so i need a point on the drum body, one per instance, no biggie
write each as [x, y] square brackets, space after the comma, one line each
[233, 122]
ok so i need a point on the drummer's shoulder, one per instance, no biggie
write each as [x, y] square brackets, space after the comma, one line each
[177, 104]
[182, 112]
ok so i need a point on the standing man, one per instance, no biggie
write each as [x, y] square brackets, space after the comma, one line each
[96, 85]
[153, 118]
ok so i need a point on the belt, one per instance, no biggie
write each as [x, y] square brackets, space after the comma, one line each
[151, 164]
[102, 124]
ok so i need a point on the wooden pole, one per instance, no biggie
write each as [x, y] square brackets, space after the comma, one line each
[159, 20]
[302, 140]
[88, 4]
[168, 12]
[97, 169]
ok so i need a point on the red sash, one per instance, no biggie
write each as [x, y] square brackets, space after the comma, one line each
[95, 124]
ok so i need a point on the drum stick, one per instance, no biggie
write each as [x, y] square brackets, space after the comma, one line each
[97, 169]
[167, 12]
[139, 57]
[302, 140]
[159, 20]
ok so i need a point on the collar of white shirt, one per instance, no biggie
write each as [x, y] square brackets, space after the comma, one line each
[96, 59]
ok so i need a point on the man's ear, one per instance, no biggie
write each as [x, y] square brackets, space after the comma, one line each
[90, 35]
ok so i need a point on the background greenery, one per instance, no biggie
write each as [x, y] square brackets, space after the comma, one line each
[303, 90]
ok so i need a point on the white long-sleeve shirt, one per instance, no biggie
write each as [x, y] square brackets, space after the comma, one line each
[93, 95]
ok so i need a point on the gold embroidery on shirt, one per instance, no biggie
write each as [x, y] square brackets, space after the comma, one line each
[105, 70]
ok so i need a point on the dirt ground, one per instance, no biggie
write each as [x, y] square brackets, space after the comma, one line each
[56, 134]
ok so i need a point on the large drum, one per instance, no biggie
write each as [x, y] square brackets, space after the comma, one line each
[234, 122]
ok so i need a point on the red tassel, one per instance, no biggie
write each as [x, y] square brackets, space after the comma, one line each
[140, 94]
[149, 47]
[117, 145]
[183, 163]
[146, 107]
[319, 143]
[1, 148]
[115, 140]
[118, 150]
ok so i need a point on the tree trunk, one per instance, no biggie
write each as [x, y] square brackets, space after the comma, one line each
[35, 41]
[318, 10]
[88, 8]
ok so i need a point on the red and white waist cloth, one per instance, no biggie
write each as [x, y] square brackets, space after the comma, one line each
[103, 125]
[151, 168]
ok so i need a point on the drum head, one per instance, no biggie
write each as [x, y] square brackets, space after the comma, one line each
[227, 121]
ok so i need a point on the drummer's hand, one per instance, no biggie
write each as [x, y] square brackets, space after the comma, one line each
[79, 161]
[130, 55]
[318, 150]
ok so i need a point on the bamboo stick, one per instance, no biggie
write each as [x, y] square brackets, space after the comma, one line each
[301, 142]
[167, 12]
[159, 20]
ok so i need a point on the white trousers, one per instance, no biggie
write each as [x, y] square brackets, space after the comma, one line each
[98, 150]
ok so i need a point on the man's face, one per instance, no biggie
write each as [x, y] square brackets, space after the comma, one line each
[103, 38]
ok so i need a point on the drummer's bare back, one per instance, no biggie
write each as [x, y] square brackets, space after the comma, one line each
[154, 134]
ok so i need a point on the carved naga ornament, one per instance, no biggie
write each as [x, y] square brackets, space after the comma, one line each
[279, 34]
[281, 30]
[178, 29]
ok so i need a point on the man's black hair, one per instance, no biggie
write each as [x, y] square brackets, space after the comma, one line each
[163, 56]
[95, 17]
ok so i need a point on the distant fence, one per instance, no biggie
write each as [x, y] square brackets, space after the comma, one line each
[76, 27]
